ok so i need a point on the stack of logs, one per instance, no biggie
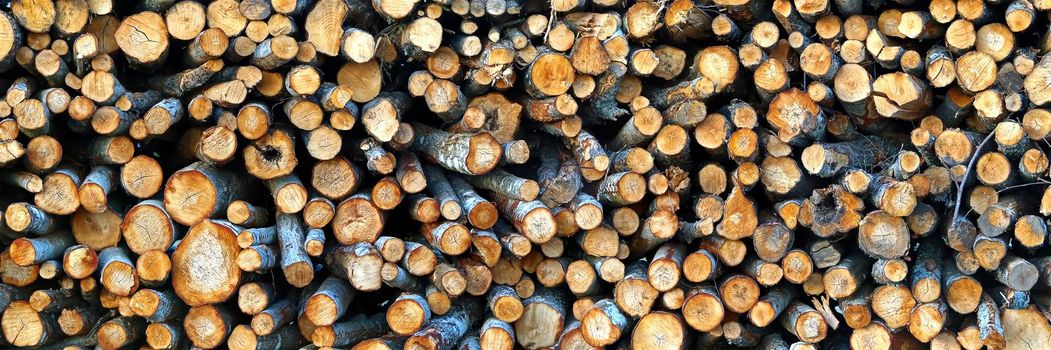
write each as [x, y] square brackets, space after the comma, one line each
[502, 174]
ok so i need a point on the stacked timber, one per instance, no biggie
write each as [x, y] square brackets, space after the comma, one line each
[504, 174]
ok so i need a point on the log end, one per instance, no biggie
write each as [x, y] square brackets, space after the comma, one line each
[22, 252]
[189, 196]
[204, 266]
[299, 274]
[23, 326]
[539, 326]
[406, 316]
[322, 310]
[484, 153]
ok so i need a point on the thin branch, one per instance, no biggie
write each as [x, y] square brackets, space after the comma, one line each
[1037, 182]
[967, 173]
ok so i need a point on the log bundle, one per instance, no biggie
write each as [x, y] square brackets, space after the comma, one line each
[504, 174]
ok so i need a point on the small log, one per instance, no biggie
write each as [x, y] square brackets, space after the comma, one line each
[479, 153]
[603, 324]
[157, 306]
[541, 319]
[893, 241]
[118, 274]
[703, 309]
[846, 277]
[27, 252]
[927, 275]
[184, 201]
[771, 305]
[804, 322]
[893, 303]
[208, 326]
[352, 331]
[447, 329]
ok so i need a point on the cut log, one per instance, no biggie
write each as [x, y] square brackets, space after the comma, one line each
[199, 281]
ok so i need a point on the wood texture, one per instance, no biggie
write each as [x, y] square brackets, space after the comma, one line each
[503, 174]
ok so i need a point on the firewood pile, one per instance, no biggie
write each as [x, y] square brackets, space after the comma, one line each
[525, 174]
